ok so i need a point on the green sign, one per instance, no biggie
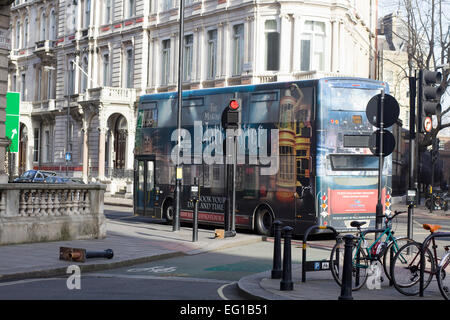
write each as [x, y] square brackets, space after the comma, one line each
[12, 119]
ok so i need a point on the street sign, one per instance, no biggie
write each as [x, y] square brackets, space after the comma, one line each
[388, 142]
[68, 156]
[391, 110]
[12, 119]
[427, 124]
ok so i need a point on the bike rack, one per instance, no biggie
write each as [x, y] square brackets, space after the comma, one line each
[422, 256]
[314, 265]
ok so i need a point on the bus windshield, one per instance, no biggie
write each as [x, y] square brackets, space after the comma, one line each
[350, 99]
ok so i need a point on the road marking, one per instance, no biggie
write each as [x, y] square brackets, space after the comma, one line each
[220, 290]
[156, 269]
[129, 276]
[4, 284]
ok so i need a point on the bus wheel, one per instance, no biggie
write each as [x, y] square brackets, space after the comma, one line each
[169, 211]
[264, 221]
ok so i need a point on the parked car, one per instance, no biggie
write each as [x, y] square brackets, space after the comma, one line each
[58, 179]
[34, 176]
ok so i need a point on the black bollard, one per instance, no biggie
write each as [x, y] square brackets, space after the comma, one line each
[346, 287]
[286, 283]
[276, 271]
[108, 253]
[195, 222]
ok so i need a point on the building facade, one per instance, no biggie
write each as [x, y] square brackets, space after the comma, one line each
[81, 65]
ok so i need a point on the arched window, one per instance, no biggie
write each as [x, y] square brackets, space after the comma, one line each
[120, 142]
[43, 26]
[25, 33]
[52, 35]
[17, 44]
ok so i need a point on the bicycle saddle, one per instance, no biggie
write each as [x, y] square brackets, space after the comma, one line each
[431, 227]
[357, 224]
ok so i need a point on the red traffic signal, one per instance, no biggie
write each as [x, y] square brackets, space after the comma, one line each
[231, 116]
[234, 104]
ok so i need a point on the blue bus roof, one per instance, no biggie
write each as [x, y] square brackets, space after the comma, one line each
[345, 82]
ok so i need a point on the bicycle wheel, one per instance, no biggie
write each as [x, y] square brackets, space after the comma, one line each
[359, 268]
[443, 277]
[392, 248]
[405, 269]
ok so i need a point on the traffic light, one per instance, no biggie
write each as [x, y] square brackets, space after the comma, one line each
[231, 116]
[435, 150]
[430, 92]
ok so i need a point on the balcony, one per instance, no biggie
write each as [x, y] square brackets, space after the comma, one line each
[44, 106]
[44, 49]
[111, 94]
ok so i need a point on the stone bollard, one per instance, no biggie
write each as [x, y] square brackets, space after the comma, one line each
[286, 283]
[346, 287]
[276, 271]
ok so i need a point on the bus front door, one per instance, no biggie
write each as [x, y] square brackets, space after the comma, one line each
[304, 210]
[145, 187]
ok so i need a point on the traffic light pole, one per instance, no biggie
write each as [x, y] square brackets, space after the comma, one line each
[412, 147]
[379, 207]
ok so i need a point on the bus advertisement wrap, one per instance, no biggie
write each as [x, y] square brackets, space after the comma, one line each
[290, 154]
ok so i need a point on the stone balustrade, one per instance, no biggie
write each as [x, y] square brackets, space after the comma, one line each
[51, 212]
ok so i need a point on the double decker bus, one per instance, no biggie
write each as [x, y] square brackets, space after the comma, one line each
[304, 146]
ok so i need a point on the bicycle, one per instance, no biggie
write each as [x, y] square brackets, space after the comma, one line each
[361, 258]
[406, 266]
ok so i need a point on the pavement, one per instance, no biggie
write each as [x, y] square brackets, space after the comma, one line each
[138, 241]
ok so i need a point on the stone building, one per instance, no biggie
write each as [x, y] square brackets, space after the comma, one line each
[81, 65]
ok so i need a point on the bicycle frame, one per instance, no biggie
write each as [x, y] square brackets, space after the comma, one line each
[389, 237]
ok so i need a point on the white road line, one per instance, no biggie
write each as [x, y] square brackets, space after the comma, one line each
[4, 284]
[220, 290]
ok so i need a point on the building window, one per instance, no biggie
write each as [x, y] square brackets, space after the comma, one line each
[168, 4]
[238, 49]
[107, 11]
[71, 78]
[36, 145]
[50, 85]
[17, 44]
[212, 54]
[131, 8]
[39, 85]
[188, 51]
[165, 68]
[22, 87]
[87, 14]
[129, 69]
[106, 69]
[14, 83]
[313, 46]
[43, 25]
[84, 78]
[25, 34]
[48, 151]
[52, 35]
[272, 45]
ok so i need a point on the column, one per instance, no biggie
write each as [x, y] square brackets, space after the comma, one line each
[286, 45]
[101, 153]
[85, 152]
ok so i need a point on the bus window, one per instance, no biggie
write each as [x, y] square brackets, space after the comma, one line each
[353, 162]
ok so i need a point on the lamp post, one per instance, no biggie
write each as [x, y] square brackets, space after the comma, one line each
[178, 170]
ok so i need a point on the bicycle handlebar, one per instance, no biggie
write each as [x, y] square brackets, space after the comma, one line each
[396, 213]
